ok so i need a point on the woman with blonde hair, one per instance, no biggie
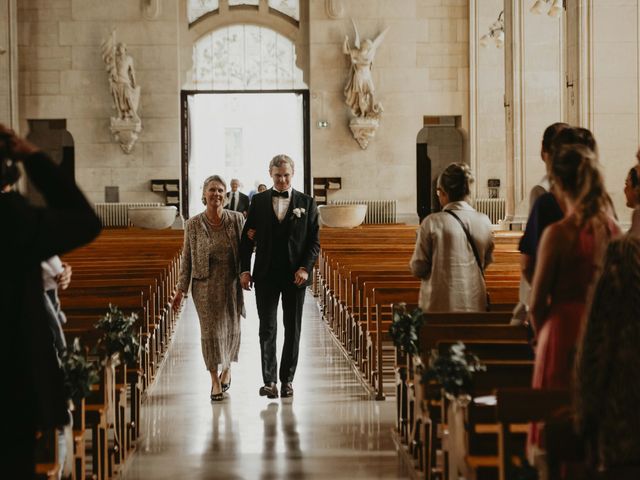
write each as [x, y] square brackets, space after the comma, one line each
[569, 258]
[453, 248]
[211, 266]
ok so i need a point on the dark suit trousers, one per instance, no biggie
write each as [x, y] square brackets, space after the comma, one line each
[268, 292]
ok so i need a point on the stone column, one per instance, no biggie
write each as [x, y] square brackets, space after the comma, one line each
[8, 63]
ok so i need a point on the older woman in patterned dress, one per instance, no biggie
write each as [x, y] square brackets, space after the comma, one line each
[211, 265]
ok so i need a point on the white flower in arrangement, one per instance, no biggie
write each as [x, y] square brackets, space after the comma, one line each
[298, 212]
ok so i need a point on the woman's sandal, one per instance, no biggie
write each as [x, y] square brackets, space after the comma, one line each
[225, 386]
[217, 397]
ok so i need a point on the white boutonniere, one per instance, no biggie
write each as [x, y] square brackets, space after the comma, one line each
[298, 212]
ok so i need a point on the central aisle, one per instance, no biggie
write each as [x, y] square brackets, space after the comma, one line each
[329, 430]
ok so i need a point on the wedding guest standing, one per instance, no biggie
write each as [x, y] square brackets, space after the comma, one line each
[32, 380]
[236, 200]
[632, 195]
[607, 392]
[211, 266]
[569, 257]
[453, 248]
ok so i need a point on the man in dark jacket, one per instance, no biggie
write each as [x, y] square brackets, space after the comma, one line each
[283, 224]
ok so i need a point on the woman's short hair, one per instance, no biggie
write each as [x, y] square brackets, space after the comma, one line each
[280, 160]
[456, 181]
[214, 178]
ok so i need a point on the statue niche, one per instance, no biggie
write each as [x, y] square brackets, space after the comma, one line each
[360, 92]
[125, 92]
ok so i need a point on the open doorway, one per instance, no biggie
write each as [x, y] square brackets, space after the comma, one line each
[235, 135]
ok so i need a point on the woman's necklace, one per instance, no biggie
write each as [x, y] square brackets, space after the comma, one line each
[211, 222]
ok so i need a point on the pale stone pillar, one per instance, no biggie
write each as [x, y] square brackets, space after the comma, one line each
[8, 63]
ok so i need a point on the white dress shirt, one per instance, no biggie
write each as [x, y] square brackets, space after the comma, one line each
[281, 205]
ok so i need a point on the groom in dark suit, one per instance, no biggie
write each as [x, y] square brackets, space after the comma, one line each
[283, 225]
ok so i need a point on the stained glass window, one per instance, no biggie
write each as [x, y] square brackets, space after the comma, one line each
[245, 57]
[198, 8]
[290, 8]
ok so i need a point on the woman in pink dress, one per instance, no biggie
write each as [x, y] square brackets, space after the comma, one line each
[569, 257]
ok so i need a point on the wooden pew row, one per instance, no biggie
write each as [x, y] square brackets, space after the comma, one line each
[340, 286]
[509, 364]
[137, 271]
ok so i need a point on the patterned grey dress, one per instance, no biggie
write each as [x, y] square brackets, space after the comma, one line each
[210, 263]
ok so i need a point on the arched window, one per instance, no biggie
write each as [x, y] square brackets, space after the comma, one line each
[291, 8]
[199, 8]
[245, 57]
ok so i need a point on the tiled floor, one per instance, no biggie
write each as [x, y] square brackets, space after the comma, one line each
[329, 430]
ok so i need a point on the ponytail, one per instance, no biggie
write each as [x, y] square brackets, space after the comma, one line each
[575, 168]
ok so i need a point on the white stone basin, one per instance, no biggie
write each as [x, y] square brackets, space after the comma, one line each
[155, 218]
[342, 216]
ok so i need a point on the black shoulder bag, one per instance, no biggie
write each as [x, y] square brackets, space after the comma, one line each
[475, 251]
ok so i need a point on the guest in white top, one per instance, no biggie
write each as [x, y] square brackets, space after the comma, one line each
[444, 258]
[632, 194]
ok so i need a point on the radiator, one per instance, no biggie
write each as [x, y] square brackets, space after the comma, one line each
[494, 208]
[378, 211]
[113, 215]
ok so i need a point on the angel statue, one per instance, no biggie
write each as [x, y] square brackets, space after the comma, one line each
[122, 78]
[359, 91]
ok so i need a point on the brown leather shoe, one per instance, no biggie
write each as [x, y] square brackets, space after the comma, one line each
[286, 390]
[269, 390]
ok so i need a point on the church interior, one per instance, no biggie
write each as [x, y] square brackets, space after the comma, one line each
[455, 236]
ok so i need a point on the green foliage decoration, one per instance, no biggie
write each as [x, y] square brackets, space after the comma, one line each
[405, 329]
[118, 335]
[453, 371]
[79, 373]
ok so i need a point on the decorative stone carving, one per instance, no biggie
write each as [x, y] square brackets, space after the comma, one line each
[359, 91]
[363, 130]
[126, 125]
[334, 9]
[151, 9]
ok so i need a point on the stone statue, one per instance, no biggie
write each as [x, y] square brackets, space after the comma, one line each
[124, 90]
[359, 91]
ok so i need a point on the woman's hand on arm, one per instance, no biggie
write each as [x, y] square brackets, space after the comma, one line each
[176, 301]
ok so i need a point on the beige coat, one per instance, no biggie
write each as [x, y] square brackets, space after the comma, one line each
[195, 251]
[444, 260]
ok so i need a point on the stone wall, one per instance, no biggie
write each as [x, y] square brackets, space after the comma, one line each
[615, 62]
[62, 77]
[420, 69]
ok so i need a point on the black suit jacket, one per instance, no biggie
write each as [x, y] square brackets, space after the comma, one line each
[303, 233]
[243, 202]
[33, 381]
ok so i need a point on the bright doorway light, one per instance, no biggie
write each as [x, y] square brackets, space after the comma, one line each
[235, 135]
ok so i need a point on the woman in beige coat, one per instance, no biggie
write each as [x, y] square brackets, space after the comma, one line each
[444, 258]
[211, 265]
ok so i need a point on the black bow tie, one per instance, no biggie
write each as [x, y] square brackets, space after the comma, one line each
[275, 193]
